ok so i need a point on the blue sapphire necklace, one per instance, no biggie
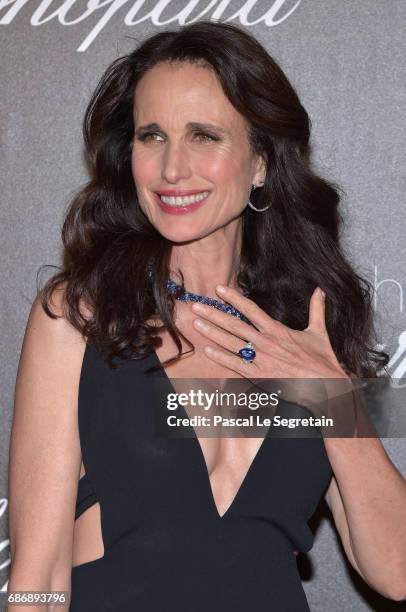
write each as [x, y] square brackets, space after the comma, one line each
[187, 296]
[247, 352]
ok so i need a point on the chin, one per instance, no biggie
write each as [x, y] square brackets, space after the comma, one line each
[178, 234]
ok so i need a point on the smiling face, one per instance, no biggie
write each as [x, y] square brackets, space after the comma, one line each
[189, 139]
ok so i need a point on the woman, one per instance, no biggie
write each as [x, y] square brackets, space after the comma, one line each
[178, 134]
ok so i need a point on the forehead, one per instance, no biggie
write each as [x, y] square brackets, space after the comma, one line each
[179, 93]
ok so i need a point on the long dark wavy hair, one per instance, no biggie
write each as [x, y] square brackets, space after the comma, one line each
[286, 251]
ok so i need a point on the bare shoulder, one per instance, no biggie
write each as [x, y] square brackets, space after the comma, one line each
[51, 345]
[45, 454]
[52, 348]
[56, 305]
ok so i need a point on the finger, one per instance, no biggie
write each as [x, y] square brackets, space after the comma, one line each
[248, 307]
[229, 323]
[232, 362]
[221, 337]
[231, 342]
[317, 320]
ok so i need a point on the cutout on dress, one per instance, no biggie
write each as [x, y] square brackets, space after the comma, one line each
[88, 542]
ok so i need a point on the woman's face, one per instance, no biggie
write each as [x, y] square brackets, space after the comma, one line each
[190, 141]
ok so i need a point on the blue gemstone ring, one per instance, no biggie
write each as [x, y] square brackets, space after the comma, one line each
[247, 353]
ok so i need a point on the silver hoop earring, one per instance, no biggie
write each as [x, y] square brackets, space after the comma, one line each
[250, 204]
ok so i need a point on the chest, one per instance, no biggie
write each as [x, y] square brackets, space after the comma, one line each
[227, 459]
[136, 471]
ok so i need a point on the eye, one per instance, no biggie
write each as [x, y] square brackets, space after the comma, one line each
[147, 136]
[206, 137]
[151, 136]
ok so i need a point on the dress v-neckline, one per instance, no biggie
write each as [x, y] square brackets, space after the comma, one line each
[202, 460]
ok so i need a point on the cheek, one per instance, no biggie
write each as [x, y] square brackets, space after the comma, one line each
[143, 167]
[222, 167]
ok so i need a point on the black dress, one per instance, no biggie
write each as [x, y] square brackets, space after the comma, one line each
[167, 549]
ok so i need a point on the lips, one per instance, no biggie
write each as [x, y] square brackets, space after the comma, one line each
[179, 209]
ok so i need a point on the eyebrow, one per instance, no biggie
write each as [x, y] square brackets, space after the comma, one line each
[192, 125]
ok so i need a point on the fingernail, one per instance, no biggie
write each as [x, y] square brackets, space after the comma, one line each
[209, 350]
[199, 323]
[221, 289]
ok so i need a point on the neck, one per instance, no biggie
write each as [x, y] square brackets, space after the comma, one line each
[205, 263]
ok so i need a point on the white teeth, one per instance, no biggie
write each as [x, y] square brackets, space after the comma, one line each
[190, 199]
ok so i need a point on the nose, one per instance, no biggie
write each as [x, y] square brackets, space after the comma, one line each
[175, 163]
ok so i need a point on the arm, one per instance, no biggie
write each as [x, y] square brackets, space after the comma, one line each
[45, 455]
[369, 501]
[367, 498]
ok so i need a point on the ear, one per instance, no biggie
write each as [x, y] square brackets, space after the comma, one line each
[259, 170]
